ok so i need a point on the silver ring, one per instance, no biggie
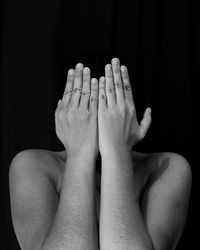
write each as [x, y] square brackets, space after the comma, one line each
[68, 92]
[85, 93]
[93, 98]
[127, 87]
[77, 90]
[118, 85]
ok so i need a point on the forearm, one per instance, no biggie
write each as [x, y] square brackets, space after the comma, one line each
[121, 222]
[74, 226]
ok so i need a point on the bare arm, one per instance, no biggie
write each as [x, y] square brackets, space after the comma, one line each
[74, 225]
[122, 226]
[160, 222]
[38, 216]
[121, 222]
[158, 225]
[42, 222]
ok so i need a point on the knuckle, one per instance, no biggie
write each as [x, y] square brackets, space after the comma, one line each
[109, 75]
[94, 88]
[70, 116]
[122, 108]
[118, 84]
[85, 94]
[93, 99]
[110, 90]
[127, 87]
[103, 97]
[67, 92]
[77, 90]
[61, 115]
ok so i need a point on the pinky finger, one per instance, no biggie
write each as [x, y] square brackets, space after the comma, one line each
[145, 123]
[56, 113]
[58, 108]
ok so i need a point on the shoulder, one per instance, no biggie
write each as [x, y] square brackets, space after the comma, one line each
[163, 160]
[30, 156]
[170, 162]
[33, 196]
[166, 197]
[33, 161]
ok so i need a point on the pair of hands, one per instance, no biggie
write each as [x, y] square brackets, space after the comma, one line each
[99, 115]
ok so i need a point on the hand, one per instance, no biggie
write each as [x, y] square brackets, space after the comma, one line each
[76, 114]
[117, 121]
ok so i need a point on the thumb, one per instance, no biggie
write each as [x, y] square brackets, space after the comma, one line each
[145, 123]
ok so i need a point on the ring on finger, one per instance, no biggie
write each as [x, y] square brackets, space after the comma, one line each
[77, 90]
[68, 92]
[85, 93]
[93, 99]
[118, 85]
[127, 88]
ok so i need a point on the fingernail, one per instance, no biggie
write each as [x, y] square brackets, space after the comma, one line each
[123, 68]
[94, 80]
[79, 66]
[71, 71]
[86, 70]
[108, 67]
[115, 61]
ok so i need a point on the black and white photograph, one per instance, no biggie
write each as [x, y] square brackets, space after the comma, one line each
[99, 124]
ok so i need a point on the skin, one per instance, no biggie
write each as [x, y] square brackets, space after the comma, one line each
[104, 122]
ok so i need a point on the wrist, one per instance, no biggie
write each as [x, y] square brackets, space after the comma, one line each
[81, 155]
[81, 149]
[116, 152]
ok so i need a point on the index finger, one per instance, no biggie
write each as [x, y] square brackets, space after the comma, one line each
[68, 88]
[127, 86]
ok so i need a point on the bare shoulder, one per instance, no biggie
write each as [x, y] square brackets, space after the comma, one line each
[33, 175]
[161, 162]
[166, 197]
[45, 162]
[158, 162]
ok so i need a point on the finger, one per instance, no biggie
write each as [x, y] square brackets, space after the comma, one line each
[118, 80]
[57, 108]
[85, 96]
[110, 89]
[145, 123]
[127, 86]
[94, 95]
[57, 111]
[77, 88]
[68, 88]
[102, 93]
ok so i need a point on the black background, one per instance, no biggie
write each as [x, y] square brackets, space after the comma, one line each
[157, 40]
